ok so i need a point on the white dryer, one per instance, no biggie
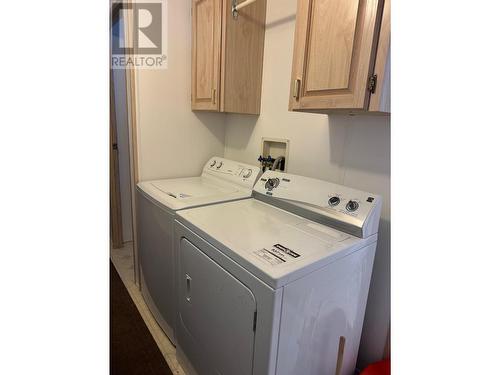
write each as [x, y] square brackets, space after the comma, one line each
[276, 284]
[157, 202]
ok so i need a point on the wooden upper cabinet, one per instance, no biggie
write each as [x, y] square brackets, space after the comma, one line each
[380, 100]
[227, 56]
[206, 50]
[335, 53]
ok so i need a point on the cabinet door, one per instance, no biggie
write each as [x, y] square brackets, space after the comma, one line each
[333, 53]
[206, 52]
[242, 57]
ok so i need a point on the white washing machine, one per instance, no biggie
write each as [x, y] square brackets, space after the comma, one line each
[276, 284]
[157, 202]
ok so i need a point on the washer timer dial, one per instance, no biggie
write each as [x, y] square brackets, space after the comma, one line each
[352, 206]
[272, 183]
[333, 201]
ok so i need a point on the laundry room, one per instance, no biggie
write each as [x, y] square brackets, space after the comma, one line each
[248, 187]
[176, 135]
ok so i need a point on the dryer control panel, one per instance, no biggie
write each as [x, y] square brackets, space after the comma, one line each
[353, 211]
[238, 173]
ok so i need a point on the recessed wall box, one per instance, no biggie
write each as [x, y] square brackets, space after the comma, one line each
[276, 147]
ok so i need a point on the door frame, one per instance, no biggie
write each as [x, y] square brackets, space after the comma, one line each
[130, 87]
[116, 226]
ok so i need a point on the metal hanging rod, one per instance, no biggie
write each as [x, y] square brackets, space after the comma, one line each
[237, 6]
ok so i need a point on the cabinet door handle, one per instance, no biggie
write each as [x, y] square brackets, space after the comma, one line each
[188, 288]
[214, 92]
[296, 88]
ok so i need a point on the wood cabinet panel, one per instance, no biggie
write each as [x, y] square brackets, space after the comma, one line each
[380, 100]
[242, 58]
[331, 44]
[227, 56]
[334, 54]
[206, 45]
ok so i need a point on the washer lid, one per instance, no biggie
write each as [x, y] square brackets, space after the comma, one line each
[180, 193]
[197, 188]
[275, 245]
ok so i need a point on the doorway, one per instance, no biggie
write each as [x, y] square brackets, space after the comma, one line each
[122, 148]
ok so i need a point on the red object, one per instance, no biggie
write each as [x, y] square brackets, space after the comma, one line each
[378, 368]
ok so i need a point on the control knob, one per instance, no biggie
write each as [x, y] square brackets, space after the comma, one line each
[247, 173]
[333, 201]
[272, 183]
[219, 165]
[212, 163]
[352, 206]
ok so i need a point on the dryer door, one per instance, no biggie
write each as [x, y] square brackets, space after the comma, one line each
[216, 316]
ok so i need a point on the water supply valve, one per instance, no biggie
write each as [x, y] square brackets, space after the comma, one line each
[266, 163]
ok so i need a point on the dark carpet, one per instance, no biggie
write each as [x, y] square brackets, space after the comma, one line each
[133, 349]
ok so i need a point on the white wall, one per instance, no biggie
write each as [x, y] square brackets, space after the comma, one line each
[354, 151]
[172, 140]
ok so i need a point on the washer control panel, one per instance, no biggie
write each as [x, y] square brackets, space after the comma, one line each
[338, 202]
[233, 171]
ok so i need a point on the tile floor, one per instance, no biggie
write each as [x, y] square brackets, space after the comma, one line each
[123, 262]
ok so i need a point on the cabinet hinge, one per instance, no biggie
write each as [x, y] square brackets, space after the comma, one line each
[372, 83]
[254, 320]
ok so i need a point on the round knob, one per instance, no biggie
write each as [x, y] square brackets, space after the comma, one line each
[352, 206]
[272, 183]
[219, 165]
[212, 163]
[247, 173]
[333, 201]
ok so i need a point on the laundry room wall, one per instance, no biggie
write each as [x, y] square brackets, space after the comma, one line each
[350, 150]
[172, 140]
